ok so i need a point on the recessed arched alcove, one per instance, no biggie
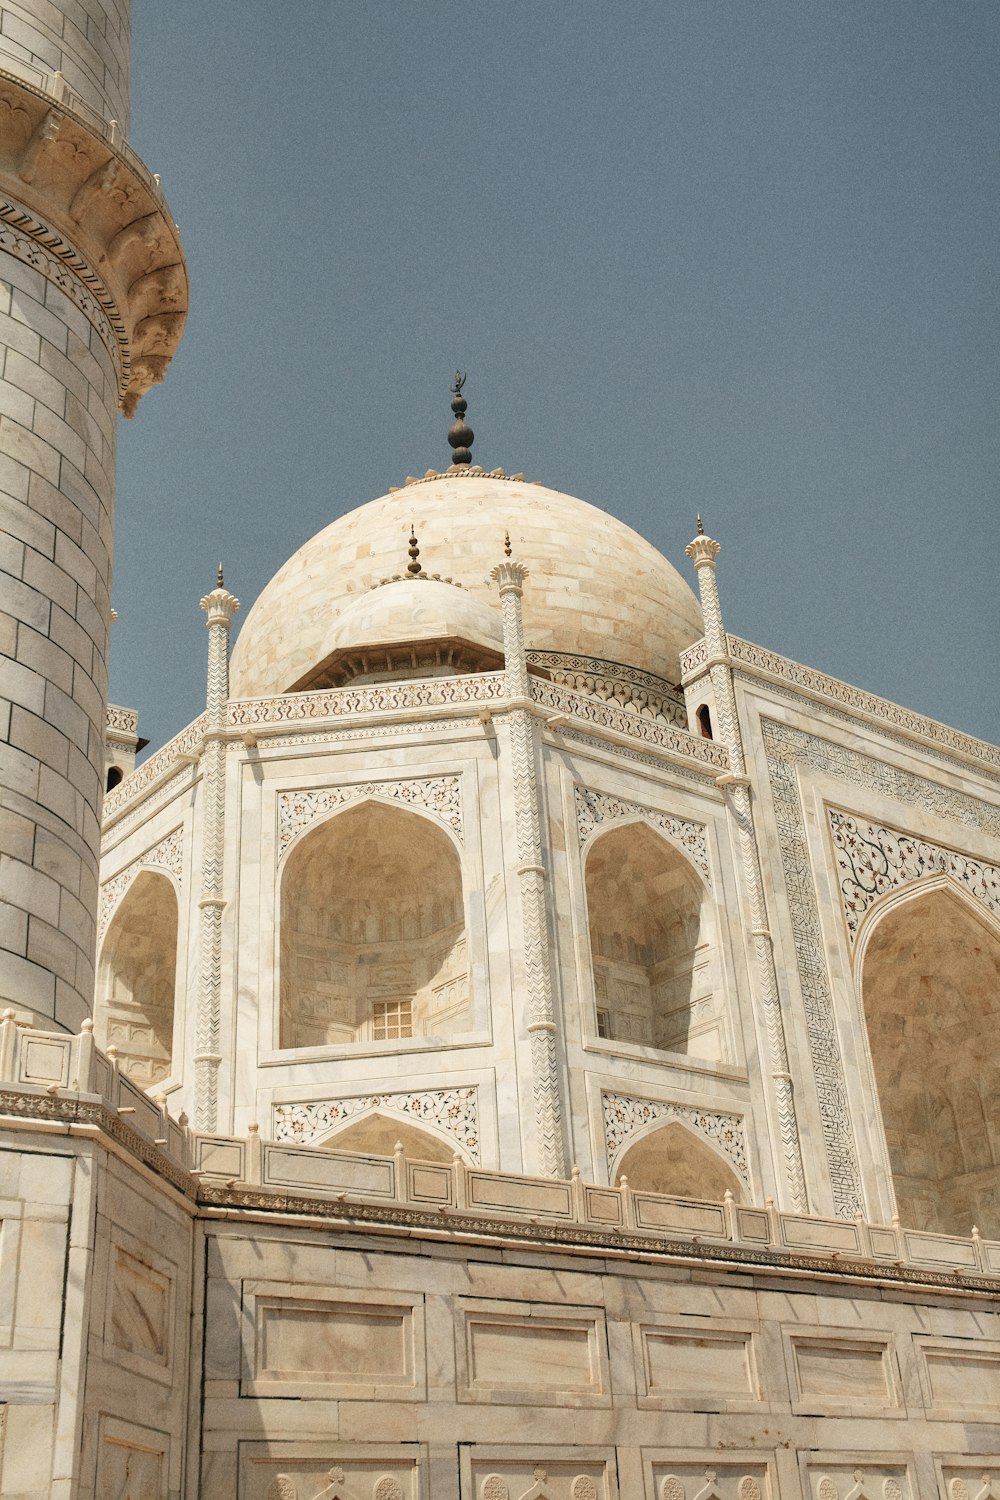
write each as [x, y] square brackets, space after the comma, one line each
[373, 944]
[931, 990]
[378, 1134]
[651, 945]
[136, 979]
[671, 1159]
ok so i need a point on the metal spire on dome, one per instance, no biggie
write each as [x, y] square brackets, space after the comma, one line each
[460, 434]
[219, 582]
[413, 566]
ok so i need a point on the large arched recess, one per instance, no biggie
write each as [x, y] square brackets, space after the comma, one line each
[671, 1159]
[930, 982]
[651, 943]
[373, 944]
[136, 979]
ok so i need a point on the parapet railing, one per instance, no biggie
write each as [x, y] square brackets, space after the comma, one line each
[756, 661]
[55, 87]
[58, 1076]
[604, 714]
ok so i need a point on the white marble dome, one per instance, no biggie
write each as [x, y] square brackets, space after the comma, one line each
[416, 609]
[595, 587]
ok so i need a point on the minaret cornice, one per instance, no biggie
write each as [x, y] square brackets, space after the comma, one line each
[80, 207]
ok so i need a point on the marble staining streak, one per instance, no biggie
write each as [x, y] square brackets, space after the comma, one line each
[703, 551]
[523, 730]
[220, 606]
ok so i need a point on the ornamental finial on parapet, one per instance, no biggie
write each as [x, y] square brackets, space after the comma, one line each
[509, 574]
[460, 434]
[413, 567]
[220, 605]
[703, 550]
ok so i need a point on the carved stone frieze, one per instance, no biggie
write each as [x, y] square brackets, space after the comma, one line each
[624, 1115]
[592, 710]
[454, 1111]
[74, 194]
[440, 795]
[873, 859]
[373, 698]
[630, 688]
[891, 714]
[594, 808]
[167, 855]
[167, 760]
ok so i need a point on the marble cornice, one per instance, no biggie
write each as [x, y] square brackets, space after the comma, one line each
[75, 199]
[234, 1202]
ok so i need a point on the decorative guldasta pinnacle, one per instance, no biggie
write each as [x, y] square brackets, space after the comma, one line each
[460, 434]
[413, 566]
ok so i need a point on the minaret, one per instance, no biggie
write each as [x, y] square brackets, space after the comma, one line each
[703, 552]
[93, 296]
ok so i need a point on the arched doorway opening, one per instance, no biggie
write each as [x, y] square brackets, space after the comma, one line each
[655, 967]
[373, 942]
[673, 1160]
[136, 979]
[931, 988]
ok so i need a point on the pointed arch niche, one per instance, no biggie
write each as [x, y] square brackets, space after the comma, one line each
[930, 982]
[136, 979]
[378, 1133]
[373, 942]
[652, 945]
[672, 1159]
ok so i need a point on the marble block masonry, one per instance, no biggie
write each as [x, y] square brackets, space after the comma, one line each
[521, 1041]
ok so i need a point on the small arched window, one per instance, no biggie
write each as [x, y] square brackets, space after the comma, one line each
[704, 718]
[115, 774]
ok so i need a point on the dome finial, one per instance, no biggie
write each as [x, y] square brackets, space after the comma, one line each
[460, 434]
[414, 565]
[507, 549]
[219, 580]
[701, 529]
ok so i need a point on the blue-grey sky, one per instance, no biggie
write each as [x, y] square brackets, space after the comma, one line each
[731, 257]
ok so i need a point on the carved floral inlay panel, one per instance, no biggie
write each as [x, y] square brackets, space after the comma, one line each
[455, 1111]
[624, 1115]
[873, 859]
[788, 750]
[168, 854]
[440, 795]
[594, 808]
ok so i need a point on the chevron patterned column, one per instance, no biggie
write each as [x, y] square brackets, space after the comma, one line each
[703, 551]
[523, 728]
[219, 606]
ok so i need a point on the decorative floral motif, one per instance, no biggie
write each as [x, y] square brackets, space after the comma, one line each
[873, 859]
[624, 1115]
[672, 1488]
[891, 1490]
[455, 1111]
[748, 1488]
[583, 1488]
[494, 1487]
[168, 854]
[333, 703]
[593, 711]
[121, 720]
[440, 795]
[387, 1488]
[594, 808]
[826, 1489]
[281, 1488]
[866, 703]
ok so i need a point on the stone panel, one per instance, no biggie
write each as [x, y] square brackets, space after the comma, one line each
[689, 1365]
[523, 1353]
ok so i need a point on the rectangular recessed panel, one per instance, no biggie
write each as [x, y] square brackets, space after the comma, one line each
[682, 1363]
[844, 1371]
[960, 1379]
[140, 1306]
[532, 1355]
[330, 1341]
